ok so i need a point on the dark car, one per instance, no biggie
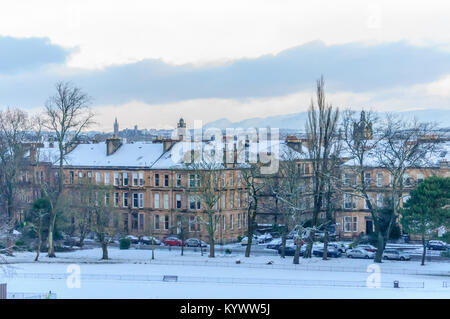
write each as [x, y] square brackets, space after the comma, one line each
[194, 242]
[437, 245]
[290, 250]
[147, 240]
[274, 244]
[172, 241]
[331, 252]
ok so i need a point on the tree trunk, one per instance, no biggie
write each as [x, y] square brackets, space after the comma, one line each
[211, 247]
[424, 250]
[51, 249]
[38, 249]
[283, 244]
[325, 246]
[297, 252]
[182, 247]
[251, 221]
[308, 251]
[104, 251]
[153, 248]
[380, 248]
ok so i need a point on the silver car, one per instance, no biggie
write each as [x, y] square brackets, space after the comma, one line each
[395, 255]
[359, 253]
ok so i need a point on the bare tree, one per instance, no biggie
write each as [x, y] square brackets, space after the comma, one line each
[206, 186]
[67, 115]
[321, 131]
[14, 127]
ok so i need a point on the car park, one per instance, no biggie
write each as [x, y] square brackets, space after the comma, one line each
[437, 245]
[194, 242]
[172, 241]
[395, 254]
[359, 253]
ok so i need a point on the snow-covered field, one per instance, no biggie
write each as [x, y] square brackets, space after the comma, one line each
[132, 274]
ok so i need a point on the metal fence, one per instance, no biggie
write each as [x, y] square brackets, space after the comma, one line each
[224, 280]
[27, 295]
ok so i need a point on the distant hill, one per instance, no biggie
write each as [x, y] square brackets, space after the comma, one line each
[296, 121]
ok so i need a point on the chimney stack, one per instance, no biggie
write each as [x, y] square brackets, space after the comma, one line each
[112, 144]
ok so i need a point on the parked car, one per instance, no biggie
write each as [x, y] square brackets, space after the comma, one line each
[194, 242]
[172, 241]
[359, 253]
[147, 240]
[244, 240]
[290, 250]
[331, 252]
[265, 238]
[339, 246]
[367, 247]
[395, 255]
[437, 245]
[133, 239]
[274, 244]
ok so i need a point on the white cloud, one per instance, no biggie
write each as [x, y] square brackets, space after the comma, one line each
[200, 31]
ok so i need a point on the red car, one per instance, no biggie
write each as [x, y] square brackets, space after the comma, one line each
[172, 241]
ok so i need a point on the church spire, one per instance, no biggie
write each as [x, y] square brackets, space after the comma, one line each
[116, 127]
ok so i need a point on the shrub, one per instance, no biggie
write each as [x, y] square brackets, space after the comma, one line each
[239, 238]
[228, 251]
[124, 243]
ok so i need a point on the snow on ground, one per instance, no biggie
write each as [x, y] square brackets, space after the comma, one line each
[205, 275]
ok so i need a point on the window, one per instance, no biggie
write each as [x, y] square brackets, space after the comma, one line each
[166, 180]
[116, 179]
[224, 222]
[231, 222]
[355, 224]
[406, 180]
[125, 199]
[348, 201]
[191, 202]
[106, 178]
[71, 177]
[191, 180]
[347, 178]
[80, 174]
[135, 200]
[224, 180]
[367, 178]
[231, 198]
[231, 180]
[107, 197]
[97, 177]
[239, 199]
[156, 179]
[141, 179]
[156, 226]
[156, 200]
[419, 178]
[178, 180]
[178, 200]
[166, 222]
[125, 179]
[365, 202]
[141, 200]
[239, 178]
[239, 220]
[135, 179]
[380, 200]
[166, 201]
[116, 199]
[223, 201]
[89, 174]
[347, 224]
[380, 179]
[191, 223]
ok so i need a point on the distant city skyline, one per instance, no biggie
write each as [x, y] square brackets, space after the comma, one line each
[151, 63]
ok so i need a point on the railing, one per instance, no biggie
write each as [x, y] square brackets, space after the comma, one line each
[27, 295]
[223, 280]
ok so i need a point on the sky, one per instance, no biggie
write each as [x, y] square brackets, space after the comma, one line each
[148, 63]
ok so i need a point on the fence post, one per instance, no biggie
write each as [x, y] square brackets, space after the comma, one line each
[3, 293]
